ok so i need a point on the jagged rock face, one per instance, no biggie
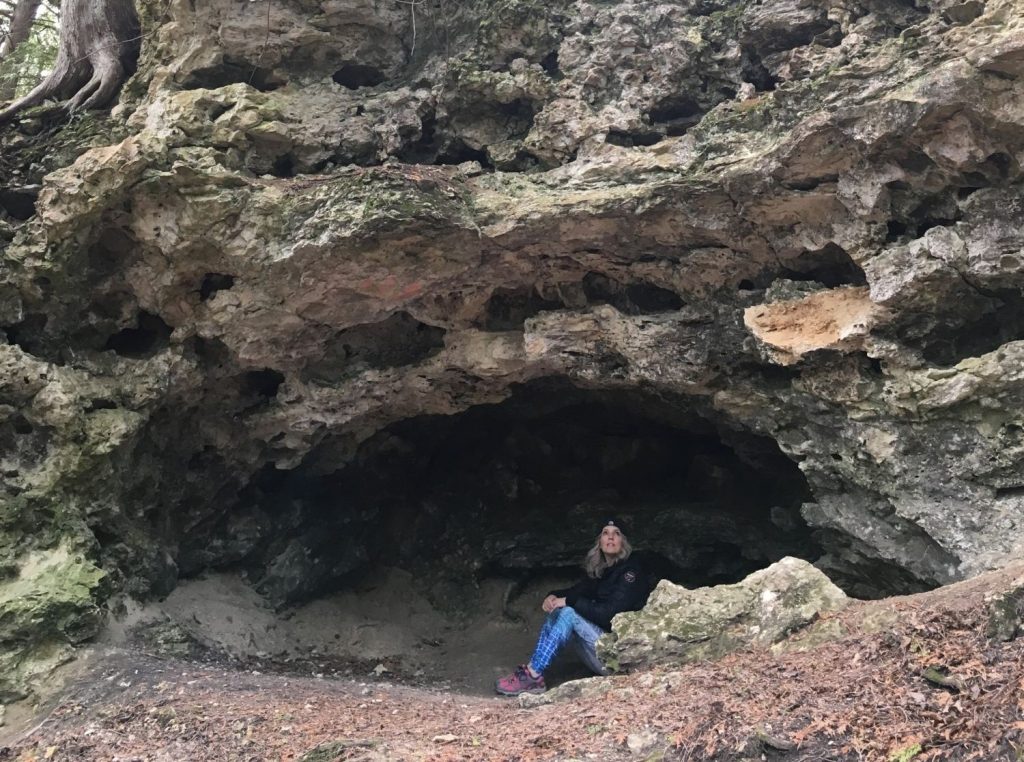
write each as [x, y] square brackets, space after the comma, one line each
[679, 625]
[781, 238]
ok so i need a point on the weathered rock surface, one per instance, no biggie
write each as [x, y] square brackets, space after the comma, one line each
[1006, 612]
[679, 625]
[49, 606]
[296, 254]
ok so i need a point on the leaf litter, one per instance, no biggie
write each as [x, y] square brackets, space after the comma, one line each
[925, 684]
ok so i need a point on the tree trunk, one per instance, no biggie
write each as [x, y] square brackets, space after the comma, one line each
[21, 26]
[99, 43]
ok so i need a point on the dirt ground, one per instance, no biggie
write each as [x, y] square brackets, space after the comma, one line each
[383, 627]
[867, 696]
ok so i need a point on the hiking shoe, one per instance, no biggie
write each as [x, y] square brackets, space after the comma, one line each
[520, 681]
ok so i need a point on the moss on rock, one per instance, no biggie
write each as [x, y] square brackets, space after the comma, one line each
[679, 625]
[50, 605]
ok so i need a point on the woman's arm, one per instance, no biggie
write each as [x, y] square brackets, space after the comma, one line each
[585, 587]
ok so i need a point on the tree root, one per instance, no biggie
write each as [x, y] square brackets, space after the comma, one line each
[99, 43]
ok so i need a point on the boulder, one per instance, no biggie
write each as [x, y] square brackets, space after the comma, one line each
[1006, 612]
[679, 625]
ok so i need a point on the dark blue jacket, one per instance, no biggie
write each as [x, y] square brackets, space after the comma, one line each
[622, 587]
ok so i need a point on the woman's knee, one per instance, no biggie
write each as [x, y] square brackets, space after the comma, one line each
[563, 617]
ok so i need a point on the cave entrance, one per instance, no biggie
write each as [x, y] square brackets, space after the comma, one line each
[440, 535]
[522, 488]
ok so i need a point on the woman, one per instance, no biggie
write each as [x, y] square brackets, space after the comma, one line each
[583, 612]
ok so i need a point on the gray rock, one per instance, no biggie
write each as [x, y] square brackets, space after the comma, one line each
[679, 625]
[1006, 612]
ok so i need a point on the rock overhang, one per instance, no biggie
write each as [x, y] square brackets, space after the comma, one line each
[362, 296]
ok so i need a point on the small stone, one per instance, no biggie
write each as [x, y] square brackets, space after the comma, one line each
[640, 742]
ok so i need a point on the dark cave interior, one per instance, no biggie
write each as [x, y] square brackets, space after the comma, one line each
[515, 490]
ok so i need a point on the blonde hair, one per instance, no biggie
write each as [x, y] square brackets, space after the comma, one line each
[597, 561]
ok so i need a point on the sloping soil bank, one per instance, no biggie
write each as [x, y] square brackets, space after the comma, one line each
[913, 678]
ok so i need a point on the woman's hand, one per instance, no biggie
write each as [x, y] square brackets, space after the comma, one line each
[551, 603]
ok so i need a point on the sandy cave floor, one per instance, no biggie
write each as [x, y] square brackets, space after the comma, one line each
[862, 697]
[381, 628]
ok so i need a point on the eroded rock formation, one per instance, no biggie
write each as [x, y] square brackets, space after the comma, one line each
[753, 270]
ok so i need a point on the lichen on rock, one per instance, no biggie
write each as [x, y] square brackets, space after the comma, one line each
[50, 605]
[679, 625]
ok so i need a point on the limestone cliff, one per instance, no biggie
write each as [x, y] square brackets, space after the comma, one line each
[346, 281]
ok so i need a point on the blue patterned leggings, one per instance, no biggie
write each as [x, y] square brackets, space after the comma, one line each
[561, 626]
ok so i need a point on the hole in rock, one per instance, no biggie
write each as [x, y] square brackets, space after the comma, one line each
[632, 139]
[550, 65]
[913, 218]
[232, 71]
[647, 297]
[629, 298]
[756, 73]
[211, 352]
[19, 203]
[452, 526]
[676, 113]
[397, 341]
[149, 336]
[830, 38]
[895, 229]
[214, 282]
[915, 162]
[284, 166]
[262, 383]
[516, 117]
[28, 333]
[949, 344]
[430, 148]
[23, 444]
[809, 183]
[831, 266]
[355, 75]
[424, 150]
[457, 152]
[999, 167]
[508, 309]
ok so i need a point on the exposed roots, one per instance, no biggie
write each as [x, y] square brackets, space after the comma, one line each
[99, 44]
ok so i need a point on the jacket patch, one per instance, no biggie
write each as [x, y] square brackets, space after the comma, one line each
[630, 576]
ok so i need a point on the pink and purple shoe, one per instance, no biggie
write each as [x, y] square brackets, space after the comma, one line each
[520, 681]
